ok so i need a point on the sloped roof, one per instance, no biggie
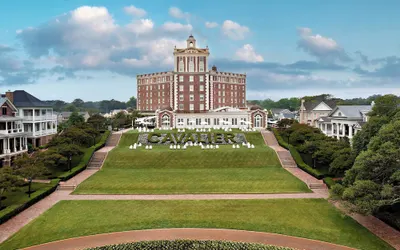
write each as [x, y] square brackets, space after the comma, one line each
[312, 104]
[4, 100]
[325, 119]
[288, 115]
[278, 110]
[21, 98]
[353, 110]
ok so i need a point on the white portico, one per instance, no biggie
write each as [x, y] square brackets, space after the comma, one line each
[344, 120]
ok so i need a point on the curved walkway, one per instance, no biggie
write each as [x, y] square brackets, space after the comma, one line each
[191, 234]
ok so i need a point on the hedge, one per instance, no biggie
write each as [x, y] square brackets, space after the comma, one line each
[297, 157]
[300, 163]
[11, 211]
[86, 158]
[329, 182]
[190, 245]
[280, 140]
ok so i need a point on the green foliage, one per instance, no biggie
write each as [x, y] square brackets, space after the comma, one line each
[35, 197]
[386, 105]
[68, 150]
[369, 130]
[8, 181]
[29, 167]
[343, 159]
[278, 136]
[285, 123]
[329, 182]
[131, 102]
[97, 121]
[190, 245]
[300, 163]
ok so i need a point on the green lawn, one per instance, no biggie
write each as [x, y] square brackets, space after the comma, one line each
[308, 218]
[165, 171]
[17, 197]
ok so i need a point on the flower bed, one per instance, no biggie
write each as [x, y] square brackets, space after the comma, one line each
[190, 245]
[182, 138]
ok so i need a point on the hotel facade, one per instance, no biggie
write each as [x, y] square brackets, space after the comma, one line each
[192, 94]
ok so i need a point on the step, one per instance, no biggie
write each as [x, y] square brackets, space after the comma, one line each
[317, 186]
[66, 187]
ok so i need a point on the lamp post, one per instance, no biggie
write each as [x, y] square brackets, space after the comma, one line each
[69, 162]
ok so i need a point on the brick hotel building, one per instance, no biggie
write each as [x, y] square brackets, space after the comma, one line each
[191, 92]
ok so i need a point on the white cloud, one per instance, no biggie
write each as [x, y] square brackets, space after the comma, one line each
[141, 26]
[324, 48]
[234, 30]
[178, 13]
[248, 54]
[176, 27]
[95, 18]
[211, 25]
[134, 11]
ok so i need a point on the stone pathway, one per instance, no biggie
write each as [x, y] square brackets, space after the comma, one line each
[289, 164]
[190, 234]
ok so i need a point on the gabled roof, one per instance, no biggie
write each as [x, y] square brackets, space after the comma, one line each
[288, 115]
[312, 104]
[6, 100]
[21, 98]
[354, 111]
[278, 110]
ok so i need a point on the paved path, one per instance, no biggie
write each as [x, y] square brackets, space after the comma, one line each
[376, 226]
[289, 164]
[191, 234]
[197, 196]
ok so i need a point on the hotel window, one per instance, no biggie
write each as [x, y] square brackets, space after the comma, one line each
[163, 79]
[223, 100]
[201, 78]
[201, 97]
[180, 97]
[201, 87]
[219, 100]
[147, 101]
[151, 87]
[180, 120]
[181, 87]
[162, 93]
[201, 65]
[208, 121]
[147, 94]
[138, 81]
[191, 106]
[235, 87]
[219, 85]
[163, 86]
[242, 100]
[158, 100]
[201, 106]
[219, 78]
[223, 93]
[216, 121]
[191, 88]
[219, 93]
[234, 121]
[181, 78]
[147, 87]
[198, 121]
[163, 99]
[231, 87]
[151, 94]
[191, 64]
[159, 93]
[151, 101]
[223, 86]
[191, 98]
[191, 78]
[4, 111]
[181, 106]
[181, 66]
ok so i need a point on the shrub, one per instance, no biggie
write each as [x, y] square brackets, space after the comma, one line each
[279, 138]
[190, 245]
[11, 211]
[86, 158]
[300, 163]
[329, 182]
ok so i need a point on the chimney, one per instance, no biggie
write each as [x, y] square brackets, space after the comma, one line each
[10, 96]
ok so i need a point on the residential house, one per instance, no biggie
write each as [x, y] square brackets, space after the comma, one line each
[39, 121]
[344, 120]
[13, 140]
[311, 111]
[64, 116]
[279, 114]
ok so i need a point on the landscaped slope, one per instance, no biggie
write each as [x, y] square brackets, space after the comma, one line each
[308, 218]
[165, 171]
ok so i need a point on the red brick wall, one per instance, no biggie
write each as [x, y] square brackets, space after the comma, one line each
[196, 92]
[9, 110]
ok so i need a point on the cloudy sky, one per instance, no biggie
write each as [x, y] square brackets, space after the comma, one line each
[67, 49]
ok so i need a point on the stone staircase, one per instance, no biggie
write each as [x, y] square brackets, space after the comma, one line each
[286, 159]
[66, 186]
[113, 140]
[97, 160]
[269, 139]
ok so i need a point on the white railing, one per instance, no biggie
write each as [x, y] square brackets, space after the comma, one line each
[40, 118]
[43, 132]
[11, 131]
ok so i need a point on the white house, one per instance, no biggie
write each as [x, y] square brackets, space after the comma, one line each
[13, 139]
[311, 111]
[38, 119]
[64, 116]
[344, 120]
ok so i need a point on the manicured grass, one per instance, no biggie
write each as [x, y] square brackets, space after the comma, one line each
[13, 199]
[165, 171]
[308, 218]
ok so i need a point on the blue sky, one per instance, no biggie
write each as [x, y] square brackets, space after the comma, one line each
[92, 50]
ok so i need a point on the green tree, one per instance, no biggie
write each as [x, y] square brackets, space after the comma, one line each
[68, 150]
[343, 159]
[8, 180]
[75, 119]
[29, 168]
[51, 159]
[97, 121]
[131, 103]
[71, 108]
[285, 123]
[79, 103]
[386, 105]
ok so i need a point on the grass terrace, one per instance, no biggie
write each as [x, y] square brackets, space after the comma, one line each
[165, 171]
[309, 218]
